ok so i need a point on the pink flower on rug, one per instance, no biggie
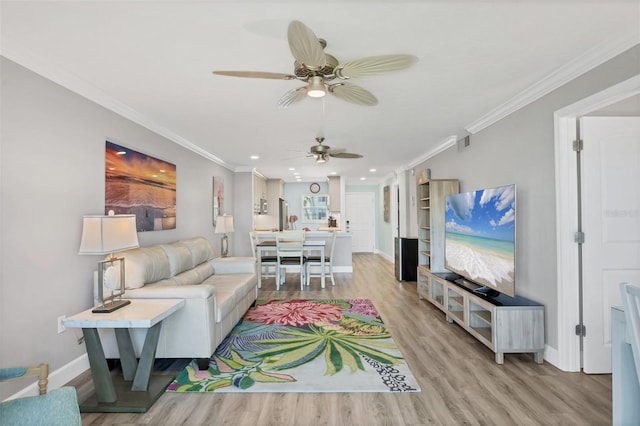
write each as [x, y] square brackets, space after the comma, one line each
[363, 307]
[294, 313]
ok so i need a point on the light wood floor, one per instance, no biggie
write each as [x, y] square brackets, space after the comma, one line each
[461, 383]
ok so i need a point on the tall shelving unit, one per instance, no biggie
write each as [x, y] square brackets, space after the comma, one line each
[431, 205]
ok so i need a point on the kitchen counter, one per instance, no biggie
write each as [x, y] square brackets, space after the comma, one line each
[342, 261]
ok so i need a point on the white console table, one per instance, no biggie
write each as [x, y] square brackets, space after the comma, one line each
[136, 390]
[626, 390]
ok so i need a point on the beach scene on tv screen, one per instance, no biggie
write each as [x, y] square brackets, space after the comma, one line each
[480, 236]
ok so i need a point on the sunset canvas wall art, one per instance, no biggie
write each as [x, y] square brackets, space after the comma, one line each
[139, 184]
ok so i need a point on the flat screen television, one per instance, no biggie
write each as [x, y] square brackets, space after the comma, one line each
[480, 238]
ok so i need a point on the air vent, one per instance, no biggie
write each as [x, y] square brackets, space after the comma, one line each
[464, 142]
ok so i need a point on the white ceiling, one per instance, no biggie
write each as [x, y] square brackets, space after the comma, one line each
[152, 61]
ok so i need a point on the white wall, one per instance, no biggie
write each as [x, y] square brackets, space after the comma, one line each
[51, 174]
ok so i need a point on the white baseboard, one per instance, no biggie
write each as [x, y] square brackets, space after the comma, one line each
[551, 356]
[387, 257]
[57, 378]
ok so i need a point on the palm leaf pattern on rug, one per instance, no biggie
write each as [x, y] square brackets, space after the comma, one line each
[279, 335]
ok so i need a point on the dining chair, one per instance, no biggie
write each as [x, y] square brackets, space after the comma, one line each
[290, 252]
[631, 299]
[317, 261]
[268, 261]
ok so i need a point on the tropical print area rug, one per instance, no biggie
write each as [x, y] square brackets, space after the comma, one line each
[304, 346]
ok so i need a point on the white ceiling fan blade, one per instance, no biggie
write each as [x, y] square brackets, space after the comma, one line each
[305, 46]
[256, 74]
[373, 65]
[354, 94]
[345, 155]
[336, 151]
[292, 96]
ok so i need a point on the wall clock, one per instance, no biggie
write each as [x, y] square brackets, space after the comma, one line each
[314, 187]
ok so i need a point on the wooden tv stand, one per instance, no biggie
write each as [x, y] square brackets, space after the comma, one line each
[504, 324]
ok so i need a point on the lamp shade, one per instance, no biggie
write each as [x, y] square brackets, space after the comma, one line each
[108, 234]
[224, 224]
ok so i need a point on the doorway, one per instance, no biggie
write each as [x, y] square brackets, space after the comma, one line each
[569, 354]
[360, 210]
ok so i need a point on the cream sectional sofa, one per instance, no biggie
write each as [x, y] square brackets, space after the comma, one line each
[217, 293]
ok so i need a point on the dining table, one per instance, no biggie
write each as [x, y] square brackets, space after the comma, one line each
[308, 246]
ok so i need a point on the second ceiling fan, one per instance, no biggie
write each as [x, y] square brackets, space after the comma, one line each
[322, 152]
[323, 73]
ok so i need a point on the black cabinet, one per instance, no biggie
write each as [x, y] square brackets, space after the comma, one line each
[406, 262]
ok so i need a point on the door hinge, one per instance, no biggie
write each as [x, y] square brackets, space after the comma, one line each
[578, 145]
[581, 330]
[578, 237]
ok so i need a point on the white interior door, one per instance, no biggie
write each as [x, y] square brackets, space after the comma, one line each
[360, 209]
[611, 223]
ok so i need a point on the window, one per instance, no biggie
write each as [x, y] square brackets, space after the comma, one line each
[315, 208]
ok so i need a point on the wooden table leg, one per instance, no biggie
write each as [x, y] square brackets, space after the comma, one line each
[105, 392]
[127, 354]
[147, 358]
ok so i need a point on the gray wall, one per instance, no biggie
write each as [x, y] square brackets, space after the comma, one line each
[520, 149]
[51, 174]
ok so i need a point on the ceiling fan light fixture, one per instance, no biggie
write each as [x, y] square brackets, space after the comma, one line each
[321, 158]
[316, 87]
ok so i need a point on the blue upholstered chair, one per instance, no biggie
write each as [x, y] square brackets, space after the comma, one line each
[58, 407]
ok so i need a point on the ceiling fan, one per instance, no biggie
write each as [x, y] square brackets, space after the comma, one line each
[323, 73]
[322, 152]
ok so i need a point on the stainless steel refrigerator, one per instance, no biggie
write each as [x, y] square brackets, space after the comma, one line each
[283, 211]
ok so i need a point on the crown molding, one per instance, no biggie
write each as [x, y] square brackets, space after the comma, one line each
[443, 145]
[595, 56]
[247, 169]
[27, 59]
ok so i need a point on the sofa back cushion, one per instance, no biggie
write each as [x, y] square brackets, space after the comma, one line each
[200, 249]
[145, 265]
[180, 258]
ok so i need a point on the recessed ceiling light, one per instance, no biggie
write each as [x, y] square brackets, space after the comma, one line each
[254, 157]
[372, 170]
[334, 173]
[291, 169]
[363, 178]
[296, 173]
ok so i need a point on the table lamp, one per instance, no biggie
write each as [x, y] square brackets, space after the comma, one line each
[224, 225]
[106, 235]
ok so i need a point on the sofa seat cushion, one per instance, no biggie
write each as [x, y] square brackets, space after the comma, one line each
[230, 289]
[166, 290]
[225, 304]
[194, 276]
